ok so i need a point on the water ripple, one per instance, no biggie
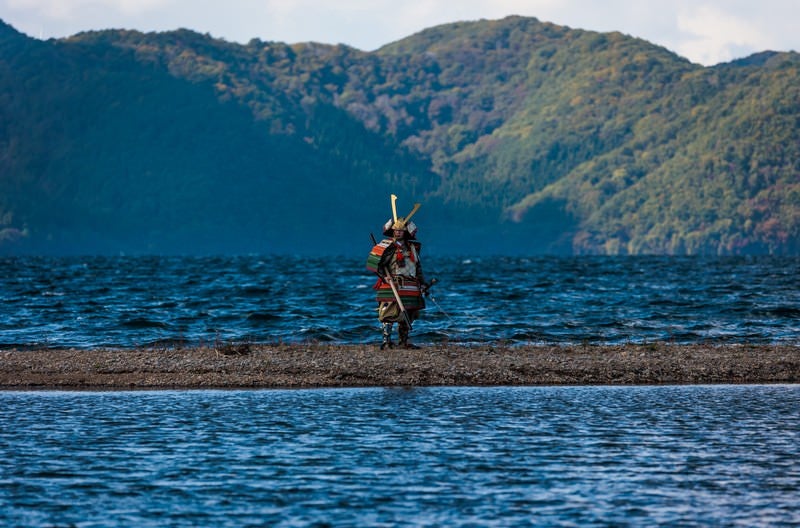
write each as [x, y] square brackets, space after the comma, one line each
[127, 301]
[596, 456]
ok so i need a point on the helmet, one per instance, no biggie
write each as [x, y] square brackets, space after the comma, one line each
[404, 223]
[389, 227]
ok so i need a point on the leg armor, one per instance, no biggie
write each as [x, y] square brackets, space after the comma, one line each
[387, 336]
[403, 331]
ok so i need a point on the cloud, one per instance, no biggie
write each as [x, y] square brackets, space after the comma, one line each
[705, 31]
[714, 36]
[369, 24]
[71, 9]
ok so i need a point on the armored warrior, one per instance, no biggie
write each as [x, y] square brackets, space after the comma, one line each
[401, 284]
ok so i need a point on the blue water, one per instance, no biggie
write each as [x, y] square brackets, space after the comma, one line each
[136, 301]
[536, 456]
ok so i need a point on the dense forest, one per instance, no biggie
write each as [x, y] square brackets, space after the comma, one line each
[518, 136]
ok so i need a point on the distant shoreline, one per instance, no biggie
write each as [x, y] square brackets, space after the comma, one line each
[323, 365]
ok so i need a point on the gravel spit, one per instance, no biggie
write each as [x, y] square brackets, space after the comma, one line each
[324, 365]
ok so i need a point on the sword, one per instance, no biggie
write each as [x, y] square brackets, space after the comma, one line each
[431, 297]
[439, 306]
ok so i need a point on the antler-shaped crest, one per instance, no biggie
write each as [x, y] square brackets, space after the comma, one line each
[401, 222]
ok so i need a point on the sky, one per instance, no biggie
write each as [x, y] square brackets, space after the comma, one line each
[704, 31]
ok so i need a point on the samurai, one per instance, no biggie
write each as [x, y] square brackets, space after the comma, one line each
[401, 283]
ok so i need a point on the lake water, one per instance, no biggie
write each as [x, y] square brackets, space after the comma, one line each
[535, 456]
[538, 456]
[139, 301]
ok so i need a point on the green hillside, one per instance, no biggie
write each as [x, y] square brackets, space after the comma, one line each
[710, 168]
[105, 150]
[518, 135]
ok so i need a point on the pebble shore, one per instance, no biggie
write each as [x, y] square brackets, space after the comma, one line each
[322, 365]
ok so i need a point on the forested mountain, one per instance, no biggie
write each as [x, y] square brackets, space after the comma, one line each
[517, 135]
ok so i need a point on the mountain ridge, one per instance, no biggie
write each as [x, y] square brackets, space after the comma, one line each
[518, 135]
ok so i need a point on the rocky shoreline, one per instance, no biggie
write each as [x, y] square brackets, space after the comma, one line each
[323, 365]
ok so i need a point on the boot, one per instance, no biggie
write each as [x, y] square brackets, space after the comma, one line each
[387, 336]
[403, 331]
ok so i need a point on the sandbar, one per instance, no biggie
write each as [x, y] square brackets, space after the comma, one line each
[311, 365]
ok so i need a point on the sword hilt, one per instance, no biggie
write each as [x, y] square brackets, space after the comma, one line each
[427, 286]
